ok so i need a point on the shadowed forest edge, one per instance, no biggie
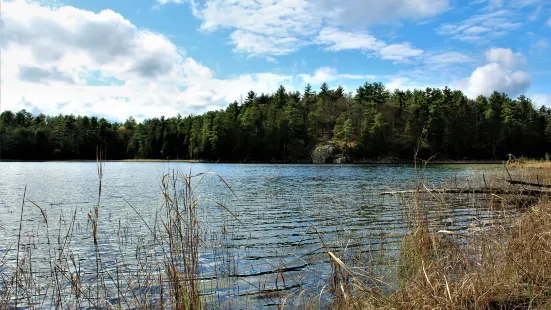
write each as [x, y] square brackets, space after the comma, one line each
[372, 124]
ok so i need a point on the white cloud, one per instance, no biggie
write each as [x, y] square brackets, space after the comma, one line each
[505, 57]
[483, 27]
[74, 41]
[400, 51]
[490, 4]
[163, 2]
[447, 58]
[255, 44]
[357, 76]
[540, 45]
[548, 23]
[322, 75]
[277, 27]
[261, 27]
[496, 4]
[338, 40]
[195, 71]
[498, 75]
[407, 83]
[367, 12]
[535, 15]
[497, 19]
[541, 99]
[327, 74]
[67, 60]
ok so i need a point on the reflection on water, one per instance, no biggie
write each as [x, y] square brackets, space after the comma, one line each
[272, 248]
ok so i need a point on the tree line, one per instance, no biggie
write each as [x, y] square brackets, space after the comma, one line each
[371, 124]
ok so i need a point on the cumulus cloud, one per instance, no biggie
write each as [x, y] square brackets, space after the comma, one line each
[67, 60]
[68, 38]
[498, 75]
[505, 57]
[45, 76]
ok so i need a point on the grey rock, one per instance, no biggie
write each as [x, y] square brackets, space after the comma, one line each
[324, 154]
[340, 160]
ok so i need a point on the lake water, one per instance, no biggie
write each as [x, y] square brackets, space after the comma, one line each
[277, 205]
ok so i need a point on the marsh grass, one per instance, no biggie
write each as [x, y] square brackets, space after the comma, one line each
[165, 273]
[504, 264]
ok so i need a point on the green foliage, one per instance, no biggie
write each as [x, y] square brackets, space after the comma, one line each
[373, 123]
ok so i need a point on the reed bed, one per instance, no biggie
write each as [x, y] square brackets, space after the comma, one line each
[505, 264]
[165, 273]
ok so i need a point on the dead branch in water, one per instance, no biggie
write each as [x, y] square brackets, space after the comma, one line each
[499, 191]
[514, 182]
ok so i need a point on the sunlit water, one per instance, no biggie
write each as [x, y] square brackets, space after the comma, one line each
[277, 206]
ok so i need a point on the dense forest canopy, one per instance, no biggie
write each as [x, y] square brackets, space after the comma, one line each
[373, 123]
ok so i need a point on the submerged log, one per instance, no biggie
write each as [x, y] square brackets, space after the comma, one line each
[500, 191]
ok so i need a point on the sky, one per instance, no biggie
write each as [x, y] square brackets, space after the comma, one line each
[148, 58]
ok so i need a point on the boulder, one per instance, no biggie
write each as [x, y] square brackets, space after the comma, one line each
[324, 154]
[339, 160]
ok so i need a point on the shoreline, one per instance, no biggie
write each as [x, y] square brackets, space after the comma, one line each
[357, 162]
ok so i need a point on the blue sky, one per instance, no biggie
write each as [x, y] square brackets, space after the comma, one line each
[148, 58]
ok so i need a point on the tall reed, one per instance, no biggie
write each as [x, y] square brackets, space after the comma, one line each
[506, 265]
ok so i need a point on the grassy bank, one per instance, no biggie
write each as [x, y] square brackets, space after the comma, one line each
[303, 161]
[506, 265]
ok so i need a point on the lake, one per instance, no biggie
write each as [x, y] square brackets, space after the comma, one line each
[277, 207]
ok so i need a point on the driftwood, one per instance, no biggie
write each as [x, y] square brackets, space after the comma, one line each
[497, 191]
[514, 182]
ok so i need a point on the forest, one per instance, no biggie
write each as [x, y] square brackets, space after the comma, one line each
[373, 123]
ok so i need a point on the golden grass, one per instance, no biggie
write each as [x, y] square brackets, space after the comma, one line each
[532, 164]
[507, 266]
[168, 280]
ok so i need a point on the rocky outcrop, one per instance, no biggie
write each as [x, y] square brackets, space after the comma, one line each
[339, 159]
[327, 153]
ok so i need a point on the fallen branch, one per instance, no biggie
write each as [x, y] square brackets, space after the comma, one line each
[500, 191]
[514, 182]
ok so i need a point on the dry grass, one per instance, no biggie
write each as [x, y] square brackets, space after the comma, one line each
[506, 266]
[164, 275]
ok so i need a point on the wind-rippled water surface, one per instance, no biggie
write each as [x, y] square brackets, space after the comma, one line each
[273, 246]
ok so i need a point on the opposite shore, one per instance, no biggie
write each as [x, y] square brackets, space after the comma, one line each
[357, 162]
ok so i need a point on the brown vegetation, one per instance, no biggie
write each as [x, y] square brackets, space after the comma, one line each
[505, 266]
